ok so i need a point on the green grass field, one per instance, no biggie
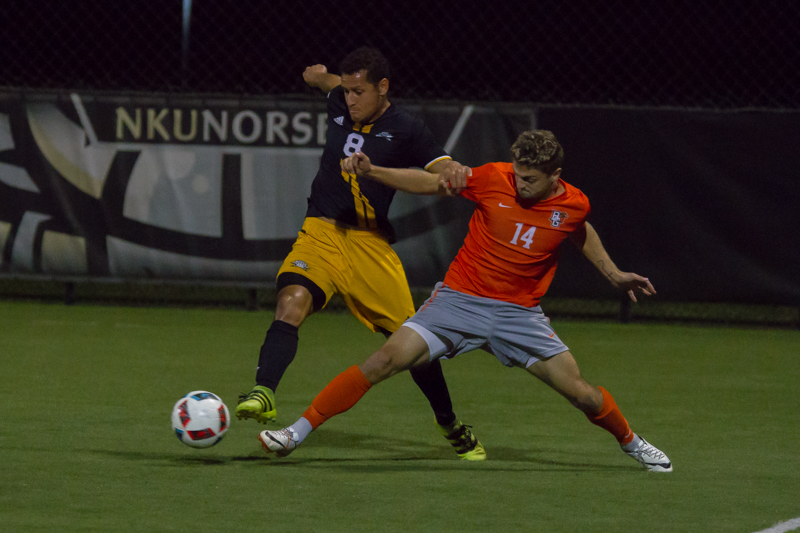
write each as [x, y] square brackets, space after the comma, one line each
[86, 443]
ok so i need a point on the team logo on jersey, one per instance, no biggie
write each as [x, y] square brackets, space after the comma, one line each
[385, 134]
[300, 264]
[557, 218]
[339, 120]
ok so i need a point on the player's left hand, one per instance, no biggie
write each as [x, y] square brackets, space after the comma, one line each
[633, 284]
[358, 164]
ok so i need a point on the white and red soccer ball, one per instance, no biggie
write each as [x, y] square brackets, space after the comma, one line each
[200, 419]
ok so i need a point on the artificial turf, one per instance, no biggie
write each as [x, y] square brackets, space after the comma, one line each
[86, 443]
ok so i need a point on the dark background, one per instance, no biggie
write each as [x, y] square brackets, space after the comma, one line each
[680, 119]
[709, 54]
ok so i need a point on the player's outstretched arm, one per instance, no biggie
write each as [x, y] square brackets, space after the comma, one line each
[403, 179]
[588, 242]
[318, 76]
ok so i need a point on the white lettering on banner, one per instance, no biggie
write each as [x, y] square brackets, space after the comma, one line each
[322, 128]
[154, 124]
[210, 122]
[276, 122]
[124, 119]
[257, 125]
[301, 127]
[178, 119]
[246, 127]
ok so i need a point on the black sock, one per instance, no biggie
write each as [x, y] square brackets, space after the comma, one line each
[277, 353]
[430, 379]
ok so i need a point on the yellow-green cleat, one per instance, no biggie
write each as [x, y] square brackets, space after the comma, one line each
[258, 404]
[461, 438]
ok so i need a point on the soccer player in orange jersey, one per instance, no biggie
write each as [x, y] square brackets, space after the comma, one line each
[489, 298]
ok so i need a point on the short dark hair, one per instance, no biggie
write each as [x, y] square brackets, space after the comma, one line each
[369, 59]
[538, 149]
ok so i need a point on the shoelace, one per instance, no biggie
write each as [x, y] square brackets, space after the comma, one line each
[290, 440]
[647, 449]
[254, 395]
[464, 438]
[652, 451]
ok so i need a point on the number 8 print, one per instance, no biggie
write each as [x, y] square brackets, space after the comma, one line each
[353, 144]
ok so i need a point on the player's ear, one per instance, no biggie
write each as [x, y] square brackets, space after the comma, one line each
[383, 87]
[557, 174]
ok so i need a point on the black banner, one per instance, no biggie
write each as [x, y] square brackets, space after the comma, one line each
[704, 203]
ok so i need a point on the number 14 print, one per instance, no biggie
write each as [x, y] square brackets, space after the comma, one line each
[526, 237]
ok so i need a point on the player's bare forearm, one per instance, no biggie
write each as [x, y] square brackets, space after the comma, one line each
[588, 242]
[407, 180]
[403, 179]
[318, 76]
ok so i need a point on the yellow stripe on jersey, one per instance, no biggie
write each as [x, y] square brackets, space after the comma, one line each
[365, 211]
[363, 129]
[440, 158]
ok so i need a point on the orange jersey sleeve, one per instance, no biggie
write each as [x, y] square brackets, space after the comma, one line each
[511, 250]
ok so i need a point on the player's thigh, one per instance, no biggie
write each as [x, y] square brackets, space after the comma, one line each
[522, 336]
[317, 255]
[403, 350]
[561, 372]
[377, 292]
[453, 322]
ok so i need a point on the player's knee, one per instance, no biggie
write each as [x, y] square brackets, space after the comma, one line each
[380, 366]
[295, 304]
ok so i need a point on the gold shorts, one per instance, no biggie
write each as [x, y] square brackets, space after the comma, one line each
[358, 265]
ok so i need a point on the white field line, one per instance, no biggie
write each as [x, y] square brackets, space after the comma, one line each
[783, 527]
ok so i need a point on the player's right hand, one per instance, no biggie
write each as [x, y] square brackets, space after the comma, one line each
[312, 74]
[358, 164]
[454, 178]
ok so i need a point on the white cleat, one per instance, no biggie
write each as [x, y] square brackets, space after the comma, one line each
[281, 442]
[651, 457]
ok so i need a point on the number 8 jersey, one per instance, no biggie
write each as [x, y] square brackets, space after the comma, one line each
[511, 250]
[397, 140]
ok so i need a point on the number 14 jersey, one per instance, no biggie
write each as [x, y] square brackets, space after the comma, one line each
[511, 250]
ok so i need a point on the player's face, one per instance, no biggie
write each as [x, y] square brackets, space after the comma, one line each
[534, 184]
[365, 100]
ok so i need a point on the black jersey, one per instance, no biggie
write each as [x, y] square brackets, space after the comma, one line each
[397, 139]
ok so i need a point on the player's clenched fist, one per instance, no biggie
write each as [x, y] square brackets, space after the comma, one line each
[357, 164]
[313, 74]
[454, 177]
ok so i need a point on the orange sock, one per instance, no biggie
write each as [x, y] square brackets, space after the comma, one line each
[342, 393]
[610, 418]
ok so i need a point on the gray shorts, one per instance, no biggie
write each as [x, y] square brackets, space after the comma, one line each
[453, 323]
